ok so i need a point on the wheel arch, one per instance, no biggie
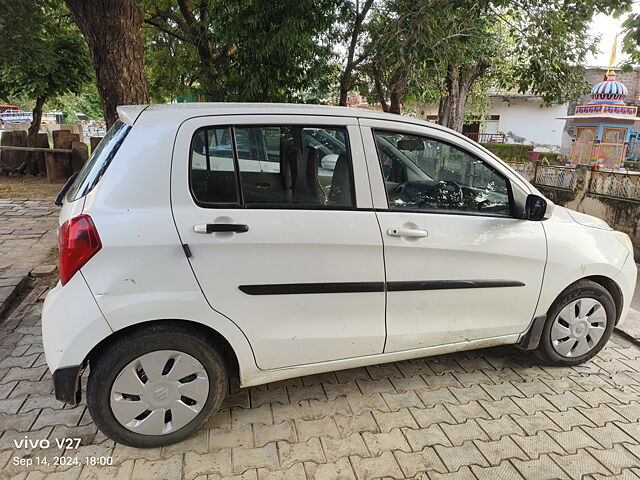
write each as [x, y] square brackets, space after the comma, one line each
[216, 338]
[612, 287]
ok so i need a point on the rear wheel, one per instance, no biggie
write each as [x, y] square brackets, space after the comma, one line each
[155, 387]
[579, 324]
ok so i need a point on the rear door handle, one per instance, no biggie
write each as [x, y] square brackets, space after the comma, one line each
[407, 232]
[221, 227]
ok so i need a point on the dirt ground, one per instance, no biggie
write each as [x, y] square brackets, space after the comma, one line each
[28, 187]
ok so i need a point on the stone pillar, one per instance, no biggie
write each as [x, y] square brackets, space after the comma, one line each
[13, 160]
[582, 179]
[79, 155]
[63, 139]
[529, 171]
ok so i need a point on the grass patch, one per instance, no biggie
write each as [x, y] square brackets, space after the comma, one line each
[28, 187]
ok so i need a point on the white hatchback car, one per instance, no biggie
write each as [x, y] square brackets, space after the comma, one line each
[273, 241]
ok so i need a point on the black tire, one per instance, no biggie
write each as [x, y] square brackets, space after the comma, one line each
[578, 290]
[109, 363]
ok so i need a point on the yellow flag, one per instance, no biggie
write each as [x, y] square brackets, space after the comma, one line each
[612, 60]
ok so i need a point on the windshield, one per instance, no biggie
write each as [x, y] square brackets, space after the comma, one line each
[97, 165]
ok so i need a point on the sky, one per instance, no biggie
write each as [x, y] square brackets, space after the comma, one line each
[607, 27]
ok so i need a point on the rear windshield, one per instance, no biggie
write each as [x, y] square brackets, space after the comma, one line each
[97, 165]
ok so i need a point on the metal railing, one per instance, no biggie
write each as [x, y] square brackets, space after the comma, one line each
[554, 176]
[615, 184]
[487, 137]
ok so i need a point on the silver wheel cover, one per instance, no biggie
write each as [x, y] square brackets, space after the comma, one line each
[159, 392]
[578, 327]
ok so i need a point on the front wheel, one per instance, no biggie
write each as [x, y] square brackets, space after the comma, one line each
[155, 387]
[579, 324]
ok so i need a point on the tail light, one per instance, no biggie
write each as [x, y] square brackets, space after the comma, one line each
[78, 241]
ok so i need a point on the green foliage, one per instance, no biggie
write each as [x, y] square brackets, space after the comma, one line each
[632, 166]
[171, 65]
[22, 102]
[241, 50]
[49, 57]
[87, 101]
[631, 38]
[550, 43]
[277, 48]
[510, 152]
[535, 46]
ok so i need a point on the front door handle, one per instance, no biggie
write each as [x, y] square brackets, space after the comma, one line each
[221, 227]
[407, 232]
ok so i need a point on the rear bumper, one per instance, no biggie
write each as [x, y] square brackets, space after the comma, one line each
[72, 325]
[66, 384]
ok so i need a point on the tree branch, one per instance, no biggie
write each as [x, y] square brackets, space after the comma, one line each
[166, 30]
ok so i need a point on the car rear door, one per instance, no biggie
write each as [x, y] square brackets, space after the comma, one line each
[287, 249]
[459, 266]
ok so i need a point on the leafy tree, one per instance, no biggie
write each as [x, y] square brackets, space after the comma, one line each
[112, 31]
[50, 58]
[631, 39]
[251, 50]
[171, 66]
[531, 45]
[352, 33]
[86, 101]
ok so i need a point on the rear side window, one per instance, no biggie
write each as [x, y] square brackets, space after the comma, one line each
[97, 165]
[213, 177]
[272, 166]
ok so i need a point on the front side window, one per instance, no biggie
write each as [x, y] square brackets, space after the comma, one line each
[277, 166]
[422, 173]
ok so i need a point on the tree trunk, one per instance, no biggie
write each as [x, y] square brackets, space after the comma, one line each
[345, 84]
[345, 77]
[34, 128]
[397, 91]
[458, 84]
[112, 31]
[377, 81]
[206, 54]
[32, 159]
[395, 102]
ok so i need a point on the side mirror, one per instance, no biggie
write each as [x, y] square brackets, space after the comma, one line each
[328, 162]
[535, 208]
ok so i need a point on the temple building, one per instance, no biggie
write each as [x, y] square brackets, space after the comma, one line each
[603, 127]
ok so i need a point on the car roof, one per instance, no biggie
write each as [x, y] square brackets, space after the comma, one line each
[129, 113]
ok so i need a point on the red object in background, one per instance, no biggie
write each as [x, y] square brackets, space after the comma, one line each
[5, 108]
[535, 156]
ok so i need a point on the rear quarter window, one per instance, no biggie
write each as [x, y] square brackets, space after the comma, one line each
[97, 165]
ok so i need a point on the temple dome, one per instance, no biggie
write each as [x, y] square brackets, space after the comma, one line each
[609, 91]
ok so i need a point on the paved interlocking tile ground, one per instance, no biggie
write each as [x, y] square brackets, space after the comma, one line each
[27, 235]
[492, 413]
[27, 231]
[484, 414]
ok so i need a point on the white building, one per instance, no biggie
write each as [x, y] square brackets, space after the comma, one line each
[524, 119]
[517, 118]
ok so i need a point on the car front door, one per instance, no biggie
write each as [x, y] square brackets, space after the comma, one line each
[281, 233]
[459, 266]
